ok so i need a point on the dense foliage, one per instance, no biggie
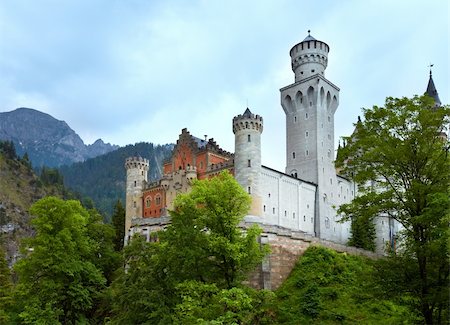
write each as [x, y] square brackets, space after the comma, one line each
[64, 265]
[399, 156]
[202, 252]
[327, 287]
[103, 178]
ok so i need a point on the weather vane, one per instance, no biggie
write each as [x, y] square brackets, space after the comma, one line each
[430, 66]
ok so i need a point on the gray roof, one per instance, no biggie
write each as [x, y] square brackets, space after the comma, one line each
[200, 142]
[432, 92]
[247, 113]
[309, 38]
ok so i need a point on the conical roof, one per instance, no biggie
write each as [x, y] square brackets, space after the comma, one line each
[432, 92]
[247, 113]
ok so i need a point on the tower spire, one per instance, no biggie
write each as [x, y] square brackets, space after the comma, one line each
[431, 89]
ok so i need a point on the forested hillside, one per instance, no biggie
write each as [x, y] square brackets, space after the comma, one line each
[103, 178]
[20, 187]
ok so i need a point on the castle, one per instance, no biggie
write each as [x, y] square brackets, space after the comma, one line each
[302, 200]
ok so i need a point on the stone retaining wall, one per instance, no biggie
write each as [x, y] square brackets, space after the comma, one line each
[286, 247]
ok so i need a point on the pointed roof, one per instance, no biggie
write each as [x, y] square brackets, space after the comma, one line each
[247, 113]
[309, 37]
[432, 92]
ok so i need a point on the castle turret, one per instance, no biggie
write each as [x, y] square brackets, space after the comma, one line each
[309, 57]
[137, 169]
[247, 129]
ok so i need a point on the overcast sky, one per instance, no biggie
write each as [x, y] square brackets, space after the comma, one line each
[131, 71]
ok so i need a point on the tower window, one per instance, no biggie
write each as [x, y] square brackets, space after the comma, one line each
[293, 215]
[249, 163]
[248, 138]
[142, 173]
[293, 155]
[295, 117]
[304, 218]
[329, 119]
[310, 104]
[249, 190]
[306, 134]
[135, 183]
[307, 152]
[134, 204]
[264, 208]
[306, 116]
[273, 210]
[285, 213]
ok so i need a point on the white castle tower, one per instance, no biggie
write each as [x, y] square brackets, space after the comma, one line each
[137, 170]
[309, 104]
[247, 129]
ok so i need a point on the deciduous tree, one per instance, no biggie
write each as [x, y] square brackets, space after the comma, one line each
[400, 158]
[58, 280]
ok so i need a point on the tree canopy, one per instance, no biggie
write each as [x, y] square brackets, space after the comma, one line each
[399, 156]
[203, 250]
[61, 275]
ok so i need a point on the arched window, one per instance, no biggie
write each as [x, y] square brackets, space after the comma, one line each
[248, 138]
[293, 155]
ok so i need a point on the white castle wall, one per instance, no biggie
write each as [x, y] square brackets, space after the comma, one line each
[287, 202]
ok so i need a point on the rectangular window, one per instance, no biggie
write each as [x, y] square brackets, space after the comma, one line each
[273, 210]
[249, 138]
[249, 163]
[249, 190]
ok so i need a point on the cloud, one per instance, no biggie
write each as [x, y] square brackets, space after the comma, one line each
[143, 70]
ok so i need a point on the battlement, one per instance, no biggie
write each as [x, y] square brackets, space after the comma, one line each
[309, 57]
[248, 120]
[137, 162]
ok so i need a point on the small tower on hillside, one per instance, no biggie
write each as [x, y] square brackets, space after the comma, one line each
[247, 129]
[137, 170]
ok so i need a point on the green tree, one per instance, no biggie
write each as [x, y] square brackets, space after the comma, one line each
[58, 281]
[206, 304]
[145, 293]
[104, 256]
[5, 288]
[399, 156]
[204, 242]
[118, 222]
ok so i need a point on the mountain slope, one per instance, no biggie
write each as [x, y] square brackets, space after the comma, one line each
[19, 189]
[47, 141]
[103, 178]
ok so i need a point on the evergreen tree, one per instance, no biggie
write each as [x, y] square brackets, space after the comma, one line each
[118, 222]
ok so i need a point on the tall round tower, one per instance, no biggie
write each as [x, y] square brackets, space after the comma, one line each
[137, 169]
[247, 129]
